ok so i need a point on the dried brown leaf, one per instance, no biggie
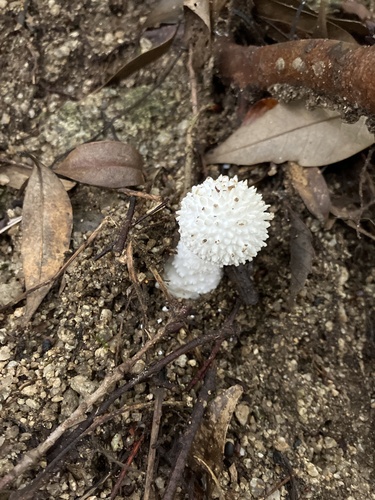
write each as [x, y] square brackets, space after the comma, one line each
[210, 441]
[46, 229]
[109, 164]
[301, 254]
[312, 188]
[18, 175]
[201, 8]
[143, 59]
[290, 132]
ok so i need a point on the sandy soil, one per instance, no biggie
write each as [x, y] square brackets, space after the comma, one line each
[307, 373]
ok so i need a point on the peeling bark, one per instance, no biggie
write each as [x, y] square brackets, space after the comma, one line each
[335, 70]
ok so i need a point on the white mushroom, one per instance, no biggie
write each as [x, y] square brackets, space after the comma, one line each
[222, 222]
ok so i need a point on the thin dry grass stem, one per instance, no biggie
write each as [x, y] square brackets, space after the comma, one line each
[125, 469]
[174, 303]
[202, 371]
[190, 149]
[159, 397]
[278, 486]
[118, 247]
[153, 211]
[134, 279]
[140, 194]
[193, 81]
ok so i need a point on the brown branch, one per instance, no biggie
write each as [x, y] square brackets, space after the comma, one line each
[336, 70]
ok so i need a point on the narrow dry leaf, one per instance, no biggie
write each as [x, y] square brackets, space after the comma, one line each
[301, 255]
[312, 188]
[164, 12]
[46, 229]
[109, 164]
[142, 60]
[290, 132]
[210, 440]
[201, 8]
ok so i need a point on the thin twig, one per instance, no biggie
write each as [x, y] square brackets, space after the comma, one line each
[120, 243]
[186, 441]
[190, 150]
[134, 279]
[125, 469]
[193, 81]
[159, 397]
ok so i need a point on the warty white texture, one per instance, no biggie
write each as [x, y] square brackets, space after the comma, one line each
[222, 222]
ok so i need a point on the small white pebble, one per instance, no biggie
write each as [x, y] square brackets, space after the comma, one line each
[242, 413]
[312, 470]
[181, 361]
[5, 353]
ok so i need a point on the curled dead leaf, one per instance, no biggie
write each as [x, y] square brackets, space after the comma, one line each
[109, 164]
[210, 441]
[312, 188]
[46, 228]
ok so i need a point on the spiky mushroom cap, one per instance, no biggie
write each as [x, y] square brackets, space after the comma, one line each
[224, 221]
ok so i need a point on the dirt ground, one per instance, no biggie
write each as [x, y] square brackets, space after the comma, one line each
[307, 372]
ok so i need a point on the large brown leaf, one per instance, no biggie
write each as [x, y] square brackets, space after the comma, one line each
[290, 132]
[46, 229]
[110, 164]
